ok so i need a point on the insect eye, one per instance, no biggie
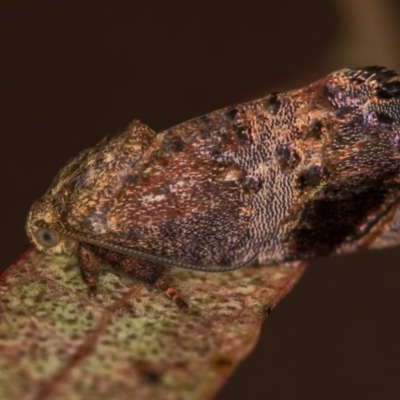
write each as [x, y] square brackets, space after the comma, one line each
[46, 237]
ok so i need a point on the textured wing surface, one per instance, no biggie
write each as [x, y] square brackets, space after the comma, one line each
[292, 175]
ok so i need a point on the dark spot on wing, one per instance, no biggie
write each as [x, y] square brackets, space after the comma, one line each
[286, 157]
[331, 90]
[311, 177]
[384, 118]
[132, 178]
[272, 103]
[241, 133]
[232, 114]
[173, 143]
[333, 217]
[316, 129]
[163, 189]
[251, 184]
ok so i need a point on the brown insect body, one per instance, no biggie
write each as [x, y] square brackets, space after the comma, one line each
[295, 175]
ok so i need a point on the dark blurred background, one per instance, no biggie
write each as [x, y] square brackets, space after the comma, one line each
[73, 71]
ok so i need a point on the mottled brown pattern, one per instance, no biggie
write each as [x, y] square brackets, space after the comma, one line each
[294, 175]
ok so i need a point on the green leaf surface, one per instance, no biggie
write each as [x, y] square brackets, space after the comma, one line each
[129, 341]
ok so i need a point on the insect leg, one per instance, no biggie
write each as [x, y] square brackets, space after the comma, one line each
[87, 260]
[148, 272]
[171, 293]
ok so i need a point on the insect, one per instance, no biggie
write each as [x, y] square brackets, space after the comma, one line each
[292, 176]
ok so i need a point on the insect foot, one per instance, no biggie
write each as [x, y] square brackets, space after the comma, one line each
[296, 175]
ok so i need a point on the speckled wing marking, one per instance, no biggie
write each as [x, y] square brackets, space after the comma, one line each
[290, 176]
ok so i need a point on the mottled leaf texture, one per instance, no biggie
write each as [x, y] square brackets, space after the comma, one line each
[128, 342]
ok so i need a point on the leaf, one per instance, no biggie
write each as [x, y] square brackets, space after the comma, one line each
[128, 342]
